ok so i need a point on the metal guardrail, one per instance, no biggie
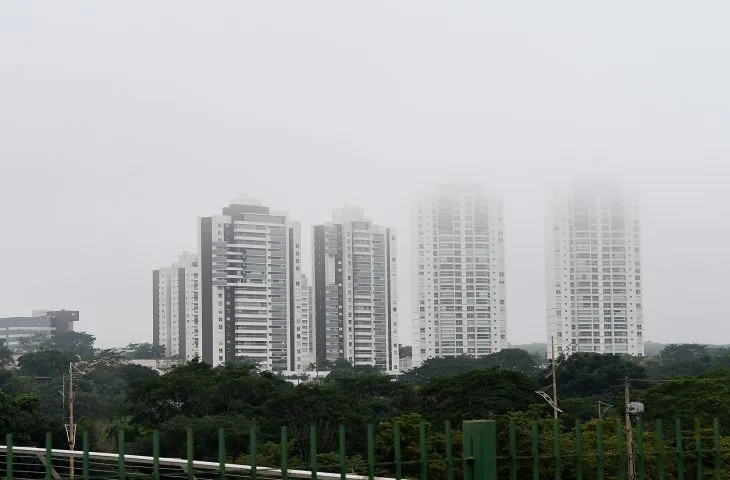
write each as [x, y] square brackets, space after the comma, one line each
[181, 465]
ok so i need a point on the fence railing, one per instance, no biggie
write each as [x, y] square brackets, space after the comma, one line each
[49, 463]
[601, 450]
[538, 451]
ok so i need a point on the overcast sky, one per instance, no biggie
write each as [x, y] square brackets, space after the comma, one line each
[122, 122]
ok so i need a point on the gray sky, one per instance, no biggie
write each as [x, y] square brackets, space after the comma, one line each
[121, 123]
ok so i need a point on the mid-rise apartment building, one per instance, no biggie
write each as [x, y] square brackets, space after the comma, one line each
[249, 282]
[459, 281]
[354, 298]
[593, 272]
[175, 308]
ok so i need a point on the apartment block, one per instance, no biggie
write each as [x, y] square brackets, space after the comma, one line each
[354, 295]
[593, 271]
[458, 278]
[250, 278]
[175, 300]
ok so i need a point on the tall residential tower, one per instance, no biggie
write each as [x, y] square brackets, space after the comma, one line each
[355, 302]
[175, 315]
[249, 282]
[459, 274]
[593, 272]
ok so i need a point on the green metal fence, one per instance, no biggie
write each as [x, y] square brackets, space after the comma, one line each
[478, 450]
[601, 450]
[412, 458]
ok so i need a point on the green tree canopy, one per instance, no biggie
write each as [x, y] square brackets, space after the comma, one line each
[509, 359]
[75, 343]
[45, 363]
[589, 374]
[480, 394]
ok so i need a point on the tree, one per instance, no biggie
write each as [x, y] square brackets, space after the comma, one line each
[509, 359]
[405, 351]
[76, 343]
[29, 344]
[46, 363]
[588, 374]
[323, 406]
[145, 351]
[6, 355]
[705, 397]
[480, 394]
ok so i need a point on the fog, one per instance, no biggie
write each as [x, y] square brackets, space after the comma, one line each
[121, 123]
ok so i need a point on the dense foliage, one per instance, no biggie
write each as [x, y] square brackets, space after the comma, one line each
[690, 381]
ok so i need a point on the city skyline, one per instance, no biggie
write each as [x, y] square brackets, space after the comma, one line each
[458, 272]
[112, 145]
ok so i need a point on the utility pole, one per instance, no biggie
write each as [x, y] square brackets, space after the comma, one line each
[555, 383]
[629, 432]
[71, 425]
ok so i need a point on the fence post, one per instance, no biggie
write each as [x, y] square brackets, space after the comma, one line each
[424, 453]
[449, 453]
[679, 448]
[621, 450]
[536, 452]
[718, 449]
[343, 454]
[221, 454]
[556, 450]
[640, 474]
[371, 452]
[313, 451]
[660, 448]
[190, 454]
[512, 450]
[578, 451]
[9, 446]
[49, 456]
[284, 454]
[85, 461]
[599, 449]
[156, 454]
[396, 451]
[480, 450]
[122, 467]
[254, 460]
[698, 448]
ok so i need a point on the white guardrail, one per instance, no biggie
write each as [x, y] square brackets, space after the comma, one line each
[178, 464]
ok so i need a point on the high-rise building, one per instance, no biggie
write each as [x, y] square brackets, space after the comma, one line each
[249, 271]
[355, 302]
[459, 274]
[304, 343]
[175, 310]
[593, 272]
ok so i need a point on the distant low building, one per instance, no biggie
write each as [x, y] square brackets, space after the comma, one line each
[42, 324]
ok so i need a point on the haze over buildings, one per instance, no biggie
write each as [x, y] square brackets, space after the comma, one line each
[120, 129]
[594, 271]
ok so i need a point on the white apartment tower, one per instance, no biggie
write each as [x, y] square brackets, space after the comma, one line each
[175, 316]
[459, 274]
[304, 343]
[249, 279]
[593, 272]
[354, 297]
